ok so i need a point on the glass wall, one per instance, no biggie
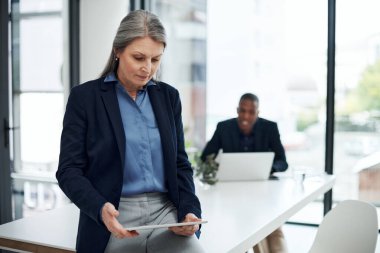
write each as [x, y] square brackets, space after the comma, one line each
[276, 50]
[40, 85]
[184, 61]
[39, 78]
[357, 102]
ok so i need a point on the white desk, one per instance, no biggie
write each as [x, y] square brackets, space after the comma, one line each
[240, 215]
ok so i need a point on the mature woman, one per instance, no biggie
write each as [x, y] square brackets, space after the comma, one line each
[122, 159]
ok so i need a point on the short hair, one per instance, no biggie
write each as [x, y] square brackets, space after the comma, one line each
[249, 96]
[137, 24]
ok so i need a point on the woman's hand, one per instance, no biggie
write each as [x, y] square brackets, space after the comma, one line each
[187, 230]
[109, 215]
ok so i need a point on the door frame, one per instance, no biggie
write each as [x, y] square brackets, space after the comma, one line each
[5, 163]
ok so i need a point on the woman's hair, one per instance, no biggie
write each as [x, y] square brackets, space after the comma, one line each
[137, 24]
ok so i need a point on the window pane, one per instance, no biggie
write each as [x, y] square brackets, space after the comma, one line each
[276, 50]
[184, 61]
[41, 54]
[357, 102]
[40, 6]
[41, 126]
[39, 66]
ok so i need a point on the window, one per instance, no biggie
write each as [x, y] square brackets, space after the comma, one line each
[357, 102]
[39, 79]
[184, 61]
[276, 50]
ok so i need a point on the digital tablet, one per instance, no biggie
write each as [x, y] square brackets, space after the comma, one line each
[166, 225]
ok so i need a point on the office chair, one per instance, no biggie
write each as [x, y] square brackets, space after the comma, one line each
[350, 227]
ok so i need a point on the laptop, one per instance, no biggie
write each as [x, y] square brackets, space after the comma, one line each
[246, 166]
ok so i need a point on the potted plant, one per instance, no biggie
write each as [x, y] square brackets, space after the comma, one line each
[206, 170]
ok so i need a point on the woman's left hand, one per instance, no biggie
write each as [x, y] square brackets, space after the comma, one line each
[187, 230]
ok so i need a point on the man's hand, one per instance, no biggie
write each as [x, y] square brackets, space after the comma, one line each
[109, 215]
[187, 230]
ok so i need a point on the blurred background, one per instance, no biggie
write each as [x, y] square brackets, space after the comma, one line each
[217, 50]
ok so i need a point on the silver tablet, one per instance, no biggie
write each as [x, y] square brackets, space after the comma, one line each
[166, 225]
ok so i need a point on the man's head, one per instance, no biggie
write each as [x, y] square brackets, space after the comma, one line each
[248, 111]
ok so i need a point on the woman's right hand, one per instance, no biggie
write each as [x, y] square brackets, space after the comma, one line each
[109, 215]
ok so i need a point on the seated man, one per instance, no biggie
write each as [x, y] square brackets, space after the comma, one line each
[249, 133]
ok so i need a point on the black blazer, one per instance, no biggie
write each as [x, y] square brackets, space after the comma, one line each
[266, 138]
[91, 162]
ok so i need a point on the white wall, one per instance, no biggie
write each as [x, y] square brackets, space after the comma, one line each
[99, 21]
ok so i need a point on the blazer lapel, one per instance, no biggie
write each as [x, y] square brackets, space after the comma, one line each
[111, 104]
[158, 102]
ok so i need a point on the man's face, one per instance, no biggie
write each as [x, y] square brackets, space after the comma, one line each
[248, 112]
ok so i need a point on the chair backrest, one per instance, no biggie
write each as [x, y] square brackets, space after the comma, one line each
[350, 227]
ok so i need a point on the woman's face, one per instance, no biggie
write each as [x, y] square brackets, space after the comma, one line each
[138, 62]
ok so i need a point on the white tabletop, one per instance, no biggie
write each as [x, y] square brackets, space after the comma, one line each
[56, 228]
[239, 215]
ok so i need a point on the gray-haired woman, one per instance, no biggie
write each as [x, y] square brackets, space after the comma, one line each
[122, 160]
